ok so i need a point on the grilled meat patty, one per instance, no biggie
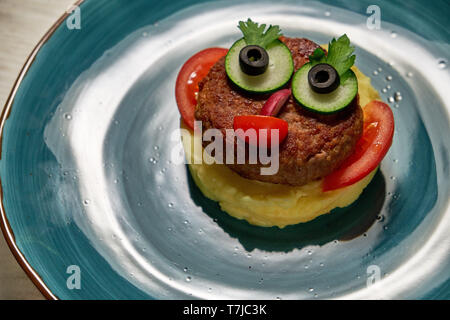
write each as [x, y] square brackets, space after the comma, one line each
[315, 146]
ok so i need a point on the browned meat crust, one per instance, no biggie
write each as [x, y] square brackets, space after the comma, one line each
[315, 145]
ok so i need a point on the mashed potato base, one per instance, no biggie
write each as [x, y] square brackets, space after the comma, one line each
[267, 204]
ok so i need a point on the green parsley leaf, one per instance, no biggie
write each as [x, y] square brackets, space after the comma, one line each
[254, 34]
[340, 56]
[317, 57]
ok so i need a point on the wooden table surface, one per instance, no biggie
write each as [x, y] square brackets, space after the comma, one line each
[22, 25]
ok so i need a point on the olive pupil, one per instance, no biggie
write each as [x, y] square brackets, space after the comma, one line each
[253, 60]
[322, 76]
[254, 55]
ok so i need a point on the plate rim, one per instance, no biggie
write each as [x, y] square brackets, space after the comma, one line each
[5, 226]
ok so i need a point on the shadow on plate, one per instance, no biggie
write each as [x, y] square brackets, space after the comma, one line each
[342, 224]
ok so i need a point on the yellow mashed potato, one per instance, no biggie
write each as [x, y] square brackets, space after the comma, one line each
[267, 204]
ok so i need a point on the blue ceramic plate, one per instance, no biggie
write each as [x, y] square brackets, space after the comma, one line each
[93, 208]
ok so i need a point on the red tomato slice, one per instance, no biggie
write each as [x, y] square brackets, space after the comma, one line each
[192, 72]
[259, 122]
[370, 149]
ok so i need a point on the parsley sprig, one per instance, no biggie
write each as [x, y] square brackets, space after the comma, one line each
[340, 56]
[254, 34]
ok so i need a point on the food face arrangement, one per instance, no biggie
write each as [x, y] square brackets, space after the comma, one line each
[313, 119]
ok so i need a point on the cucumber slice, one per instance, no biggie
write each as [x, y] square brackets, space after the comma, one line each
[278, 73]
[323, 102]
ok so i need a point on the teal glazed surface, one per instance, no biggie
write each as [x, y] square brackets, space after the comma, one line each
[88, 180]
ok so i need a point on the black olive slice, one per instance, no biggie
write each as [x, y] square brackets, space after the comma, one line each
[323, 78]
[253, 60]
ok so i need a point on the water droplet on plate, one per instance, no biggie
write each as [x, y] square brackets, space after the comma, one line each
[86, 202]
[409, 74]
[188, 279]
[393, 34]
[327, 13]
[442, 64]
[375, 73]
[68, 116]
[391, 99]
[389, 78]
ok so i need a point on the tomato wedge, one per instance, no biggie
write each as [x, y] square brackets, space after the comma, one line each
[259, 122]
[192, 72]
[370, 149]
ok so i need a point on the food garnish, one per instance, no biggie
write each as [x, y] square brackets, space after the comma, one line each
[192, 72]
[253, 60]
[260, 125]
[340, 56]
[275, 102]
[323, 78]
[259, 62]
[327, 84]
[254, 34]
[369, 150]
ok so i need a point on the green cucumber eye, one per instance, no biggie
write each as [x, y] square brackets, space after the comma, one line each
[321, 91]
[274, 75]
